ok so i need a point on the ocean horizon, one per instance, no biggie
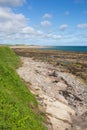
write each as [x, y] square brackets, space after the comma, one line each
[67, 48]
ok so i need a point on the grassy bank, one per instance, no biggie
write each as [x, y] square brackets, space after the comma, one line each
[16, 102]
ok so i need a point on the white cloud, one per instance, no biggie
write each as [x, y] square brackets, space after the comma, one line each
[66, 12]
[13, 25]
[82, 26]
[28, 30]
[63, 26]
[54, 36]
[12, 2]
[47, 16]
[14, 28]
[11, 22]
[46, 23]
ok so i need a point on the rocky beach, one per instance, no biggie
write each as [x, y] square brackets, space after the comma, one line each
[61, 95]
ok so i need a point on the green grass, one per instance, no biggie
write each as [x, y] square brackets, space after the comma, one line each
[16, 112]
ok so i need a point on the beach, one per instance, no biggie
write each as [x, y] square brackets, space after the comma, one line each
[61, 93]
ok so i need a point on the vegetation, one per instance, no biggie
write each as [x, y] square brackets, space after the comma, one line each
[75, 63]
[17, 104]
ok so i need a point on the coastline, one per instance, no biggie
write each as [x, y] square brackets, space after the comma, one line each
[57, 88]
[72, 49]
[29, 46]
[46, 84]
[73, 62]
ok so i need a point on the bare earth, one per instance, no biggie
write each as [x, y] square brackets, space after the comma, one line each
[61, 95]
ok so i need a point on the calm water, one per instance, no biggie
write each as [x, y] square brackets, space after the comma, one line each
[68, 48]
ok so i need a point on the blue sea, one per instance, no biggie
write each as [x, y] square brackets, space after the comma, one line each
[68, 48]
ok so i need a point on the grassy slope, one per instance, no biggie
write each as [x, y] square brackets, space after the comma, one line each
[15, 99]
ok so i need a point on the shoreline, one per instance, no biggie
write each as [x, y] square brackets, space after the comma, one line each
[47, 83]
[52, 48]
[75, 63]
[29, 46]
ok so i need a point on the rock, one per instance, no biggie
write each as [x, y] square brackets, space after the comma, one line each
[59, 124]
[54, 74]
[84, 115]
[61, 99]
[60, 95]
[61, 86]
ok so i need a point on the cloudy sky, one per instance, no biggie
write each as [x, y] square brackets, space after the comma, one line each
[43, 22]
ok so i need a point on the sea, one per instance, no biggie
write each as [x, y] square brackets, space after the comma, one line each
[67, 48]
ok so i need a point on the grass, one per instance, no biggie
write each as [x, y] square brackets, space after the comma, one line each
[16, 112]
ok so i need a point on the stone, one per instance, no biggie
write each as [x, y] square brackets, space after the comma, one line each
[48, 85]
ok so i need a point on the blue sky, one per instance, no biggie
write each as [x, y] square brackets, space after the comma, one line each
[43, 22]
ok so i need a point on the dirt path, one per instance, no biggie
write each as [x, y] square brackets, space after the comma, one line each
[60, 95]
